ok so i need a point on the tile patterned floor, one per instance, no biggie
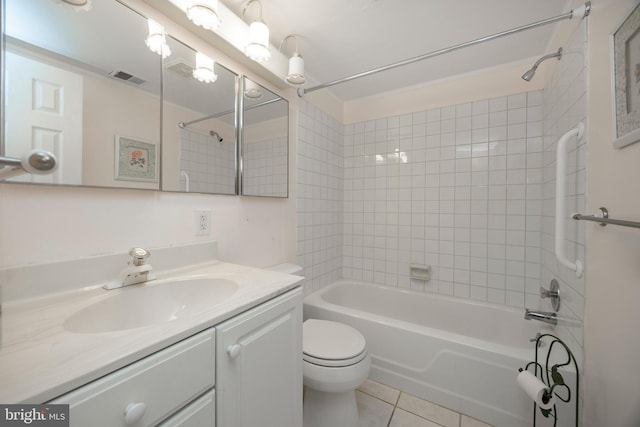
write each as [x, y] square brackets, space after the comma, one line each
[382, 406]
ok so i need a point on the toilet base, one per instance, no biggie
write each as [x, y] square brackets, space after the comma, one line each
[322, 409]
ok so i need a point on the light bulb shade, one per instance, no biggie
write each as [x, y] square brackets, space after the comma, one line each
[77, 5]
[258, 46]
[296, 71]
[204, 13]
[156, 41]
[204, 69]
[252, 90]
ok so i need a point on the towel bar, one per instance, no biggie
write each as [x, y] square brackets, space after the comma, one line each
[602, 216]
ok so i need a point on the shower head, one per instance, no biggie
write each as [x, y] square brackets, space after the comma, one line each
[529, 74]
[532, 71]
[215, 134]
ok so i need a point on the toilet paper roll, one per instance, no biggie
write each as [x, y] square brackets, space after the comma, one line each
[535, 389]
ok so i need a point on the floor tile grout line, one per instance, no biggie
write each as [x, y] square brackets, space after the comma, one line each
[397, 401]
[395, 406]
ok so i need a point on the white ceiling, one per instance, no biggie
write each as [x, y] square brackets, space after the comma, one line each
[339, 38]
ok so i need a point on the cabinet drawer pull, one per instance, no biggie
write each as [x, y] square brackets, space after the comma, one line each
[134, 413]
[234, 350]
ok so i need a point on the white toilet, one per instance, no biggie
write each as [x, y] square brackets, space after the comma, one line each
[335, 363]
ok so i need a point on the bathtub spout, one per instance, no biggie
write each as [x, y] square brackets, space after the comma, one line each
[543, 316]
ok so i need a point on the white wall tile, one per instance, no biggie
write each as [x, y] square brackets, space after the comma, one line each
[462, 199]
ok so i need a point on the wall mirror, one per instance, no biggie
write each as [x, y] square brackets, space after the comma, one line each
[199, 116]
[265, 142]
[83, 85]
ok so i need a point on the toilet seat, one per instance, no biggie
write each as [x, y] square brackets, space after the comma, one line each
[331, 344]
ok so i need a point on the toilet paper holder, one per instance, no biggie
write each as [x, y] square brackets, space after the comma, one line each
[553, 384]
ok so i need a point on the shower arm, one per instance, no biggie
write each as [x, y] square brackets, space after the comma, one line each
[581, 12]
[557, 54]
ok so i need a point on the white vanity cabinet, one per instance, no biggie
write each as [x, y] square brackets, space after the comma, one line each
[244, 372]
[147, 391]
[259, 365]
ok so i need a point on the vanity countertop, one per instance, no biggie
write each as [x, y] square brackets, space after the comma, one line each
[40, 359]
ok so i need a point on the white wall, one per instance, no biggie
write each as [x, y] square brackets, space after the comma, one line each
[41, 224]
[106, 115]
[612, 341]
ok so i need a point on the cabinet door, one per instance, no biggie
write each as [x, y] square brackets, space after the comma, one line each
[259, 365]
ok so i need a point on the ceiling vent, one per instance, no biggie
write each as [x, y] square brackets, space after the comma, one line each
[180, 66]
[123, 75]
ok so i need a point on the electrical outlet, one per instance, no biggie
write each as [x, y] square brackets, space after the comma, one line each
[203, 222]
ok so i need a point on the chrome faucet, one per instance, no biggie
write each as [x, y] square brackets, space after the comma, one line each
[135, 272]
[543, 316]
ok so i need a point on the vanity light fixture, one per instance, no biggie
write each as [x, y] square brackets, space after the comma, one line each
[251, 90]
[204, 69]
[257, 47]
[295, 76]
[156, 41]
[204, 13]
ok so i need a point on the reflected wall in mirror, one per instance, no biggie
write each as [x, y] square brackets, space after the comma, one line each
[265, 142]
[199, 138]
[83, 85]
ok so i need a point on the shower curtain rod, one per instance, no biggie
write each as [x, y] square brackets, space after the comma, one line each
[183, 125]
[582, 12]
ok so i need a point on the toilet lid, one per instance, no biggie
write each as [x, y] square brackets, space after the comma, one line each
[327, 340]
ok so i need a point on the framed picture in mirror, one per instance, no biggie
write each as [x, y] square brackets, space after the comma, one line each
[135, 160]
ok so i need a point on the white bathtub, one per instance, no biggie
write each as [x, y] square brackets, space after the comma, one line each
[459, 354]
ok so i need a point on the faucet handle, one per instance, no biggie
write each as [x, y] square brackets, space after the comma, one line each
[138, 255]
[552, 293]
[534, 339]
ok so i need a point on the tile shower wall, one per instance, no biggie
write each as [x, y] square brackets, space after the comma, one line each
[206, 163]
[320, 192]
[565, 104]
[265, 167]
[458, 189]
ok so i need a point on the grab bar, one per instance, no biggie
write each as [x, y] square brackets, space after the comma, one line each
[602, 216]
[186, 180]
[38, 162]
[561, 179]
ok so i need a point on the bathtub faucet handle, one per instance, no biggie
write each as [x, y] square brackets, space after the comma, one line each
[553, 293]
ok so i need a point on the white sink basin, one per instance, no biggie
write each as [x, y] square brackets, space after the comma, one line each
[154, 303]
